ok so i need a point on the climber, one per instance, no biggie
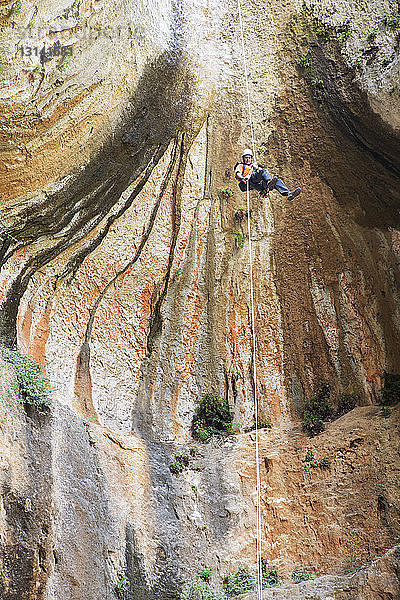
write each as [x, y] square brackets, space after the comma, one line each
[248, 172]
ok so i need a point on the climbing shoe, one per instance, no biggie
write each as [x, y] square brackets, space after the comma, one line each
[272, 183]
[294, 194]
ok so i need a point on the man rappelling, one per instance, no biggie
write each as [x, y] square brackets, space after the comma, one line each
[248, 173]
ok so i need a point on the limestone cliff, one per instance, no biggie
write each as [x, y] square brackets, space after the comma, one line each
[125, 272]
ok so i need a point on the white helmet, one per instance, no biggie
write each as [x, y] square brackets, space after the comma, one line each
[247, 152]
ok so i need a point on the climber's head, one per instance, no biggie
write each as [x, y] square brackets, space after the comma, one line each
[247, 156]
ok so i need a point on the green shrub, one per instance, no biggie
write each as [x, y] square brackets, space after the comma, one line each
[178, 463]
[34, 386]
[238, 583]
[299, 575]
[213, 416]
[240, 239]
[205, 574]
[16, 8]
[392, 21]
[122, 587]
[227, 192]
[316, 410]
[353, 552]
[197, 589]
[305, 61]
[343, 32]
[390, 393]
[324, 464]
[346, 403]
[270, 576]
[310, 462]
[264, 424]
[372, 33]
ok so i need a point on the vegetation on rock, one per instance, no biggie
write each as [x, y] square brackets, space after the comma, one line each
[392, 21]
[346, 403]
[310, 462]
[178, 463]
[205, 574]
[390, 393]
[301, 574]
[227, 192]
[213, 416]
[261, 424]
[122, 587]
[352, 545]
[34, 386]
[270, 575]
[240, 239]
[198, 589]
[317, 410]
[240, 582]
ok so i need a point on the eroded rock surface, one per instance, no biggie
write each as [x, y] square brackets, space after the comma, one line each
[126, 272]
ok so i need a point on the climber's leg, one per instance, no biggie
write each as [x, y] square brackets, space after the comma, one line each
[257, 181]
[270, 183]
[262, 181]
[294, 194]
[282, 189]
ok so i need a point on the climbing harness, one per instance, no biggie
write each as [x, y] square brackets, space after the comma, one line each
[252, 324]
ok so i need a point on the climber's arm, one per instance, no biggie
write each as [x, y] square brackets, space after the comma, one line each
[238, 173]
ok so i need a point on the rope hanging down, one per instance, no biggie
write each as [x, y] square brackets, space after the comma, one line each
[252, 324]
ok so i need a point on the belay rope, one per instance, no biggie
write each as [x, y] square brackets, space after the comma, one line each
[252, 324]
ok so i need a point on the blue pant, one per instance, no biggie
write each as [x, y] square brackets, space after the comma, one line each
[259, 180]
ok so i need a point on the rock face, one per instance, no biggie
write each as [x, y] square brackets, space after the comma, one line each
[125, 270]
[379, 580]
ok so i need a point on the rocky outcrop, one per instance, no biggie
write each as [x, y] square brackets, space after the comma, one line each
[378, 580]
[125, 271]
[84, 506]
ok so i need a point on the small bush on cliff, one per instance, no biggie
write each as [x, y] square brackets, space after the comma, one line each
[205, 574]
[226, 192]
[300, 575]
[178, 463]
[270, 575]
[34, 386]
[317, 410]
[305, 61]
[213, 416]
[239, 583]
[197, 589]
[353, 551]
[122, 587]
[310, 462]
[390, 393]
[392, 21]
[240, 239]
[346, 403]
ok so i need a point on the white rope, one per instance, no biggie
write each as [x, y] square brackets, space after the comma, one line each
[252, 324]
[253, 335]
[246, 79]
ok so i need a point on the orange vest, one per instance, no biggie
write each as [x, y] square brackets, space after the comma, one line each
[247, 169]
